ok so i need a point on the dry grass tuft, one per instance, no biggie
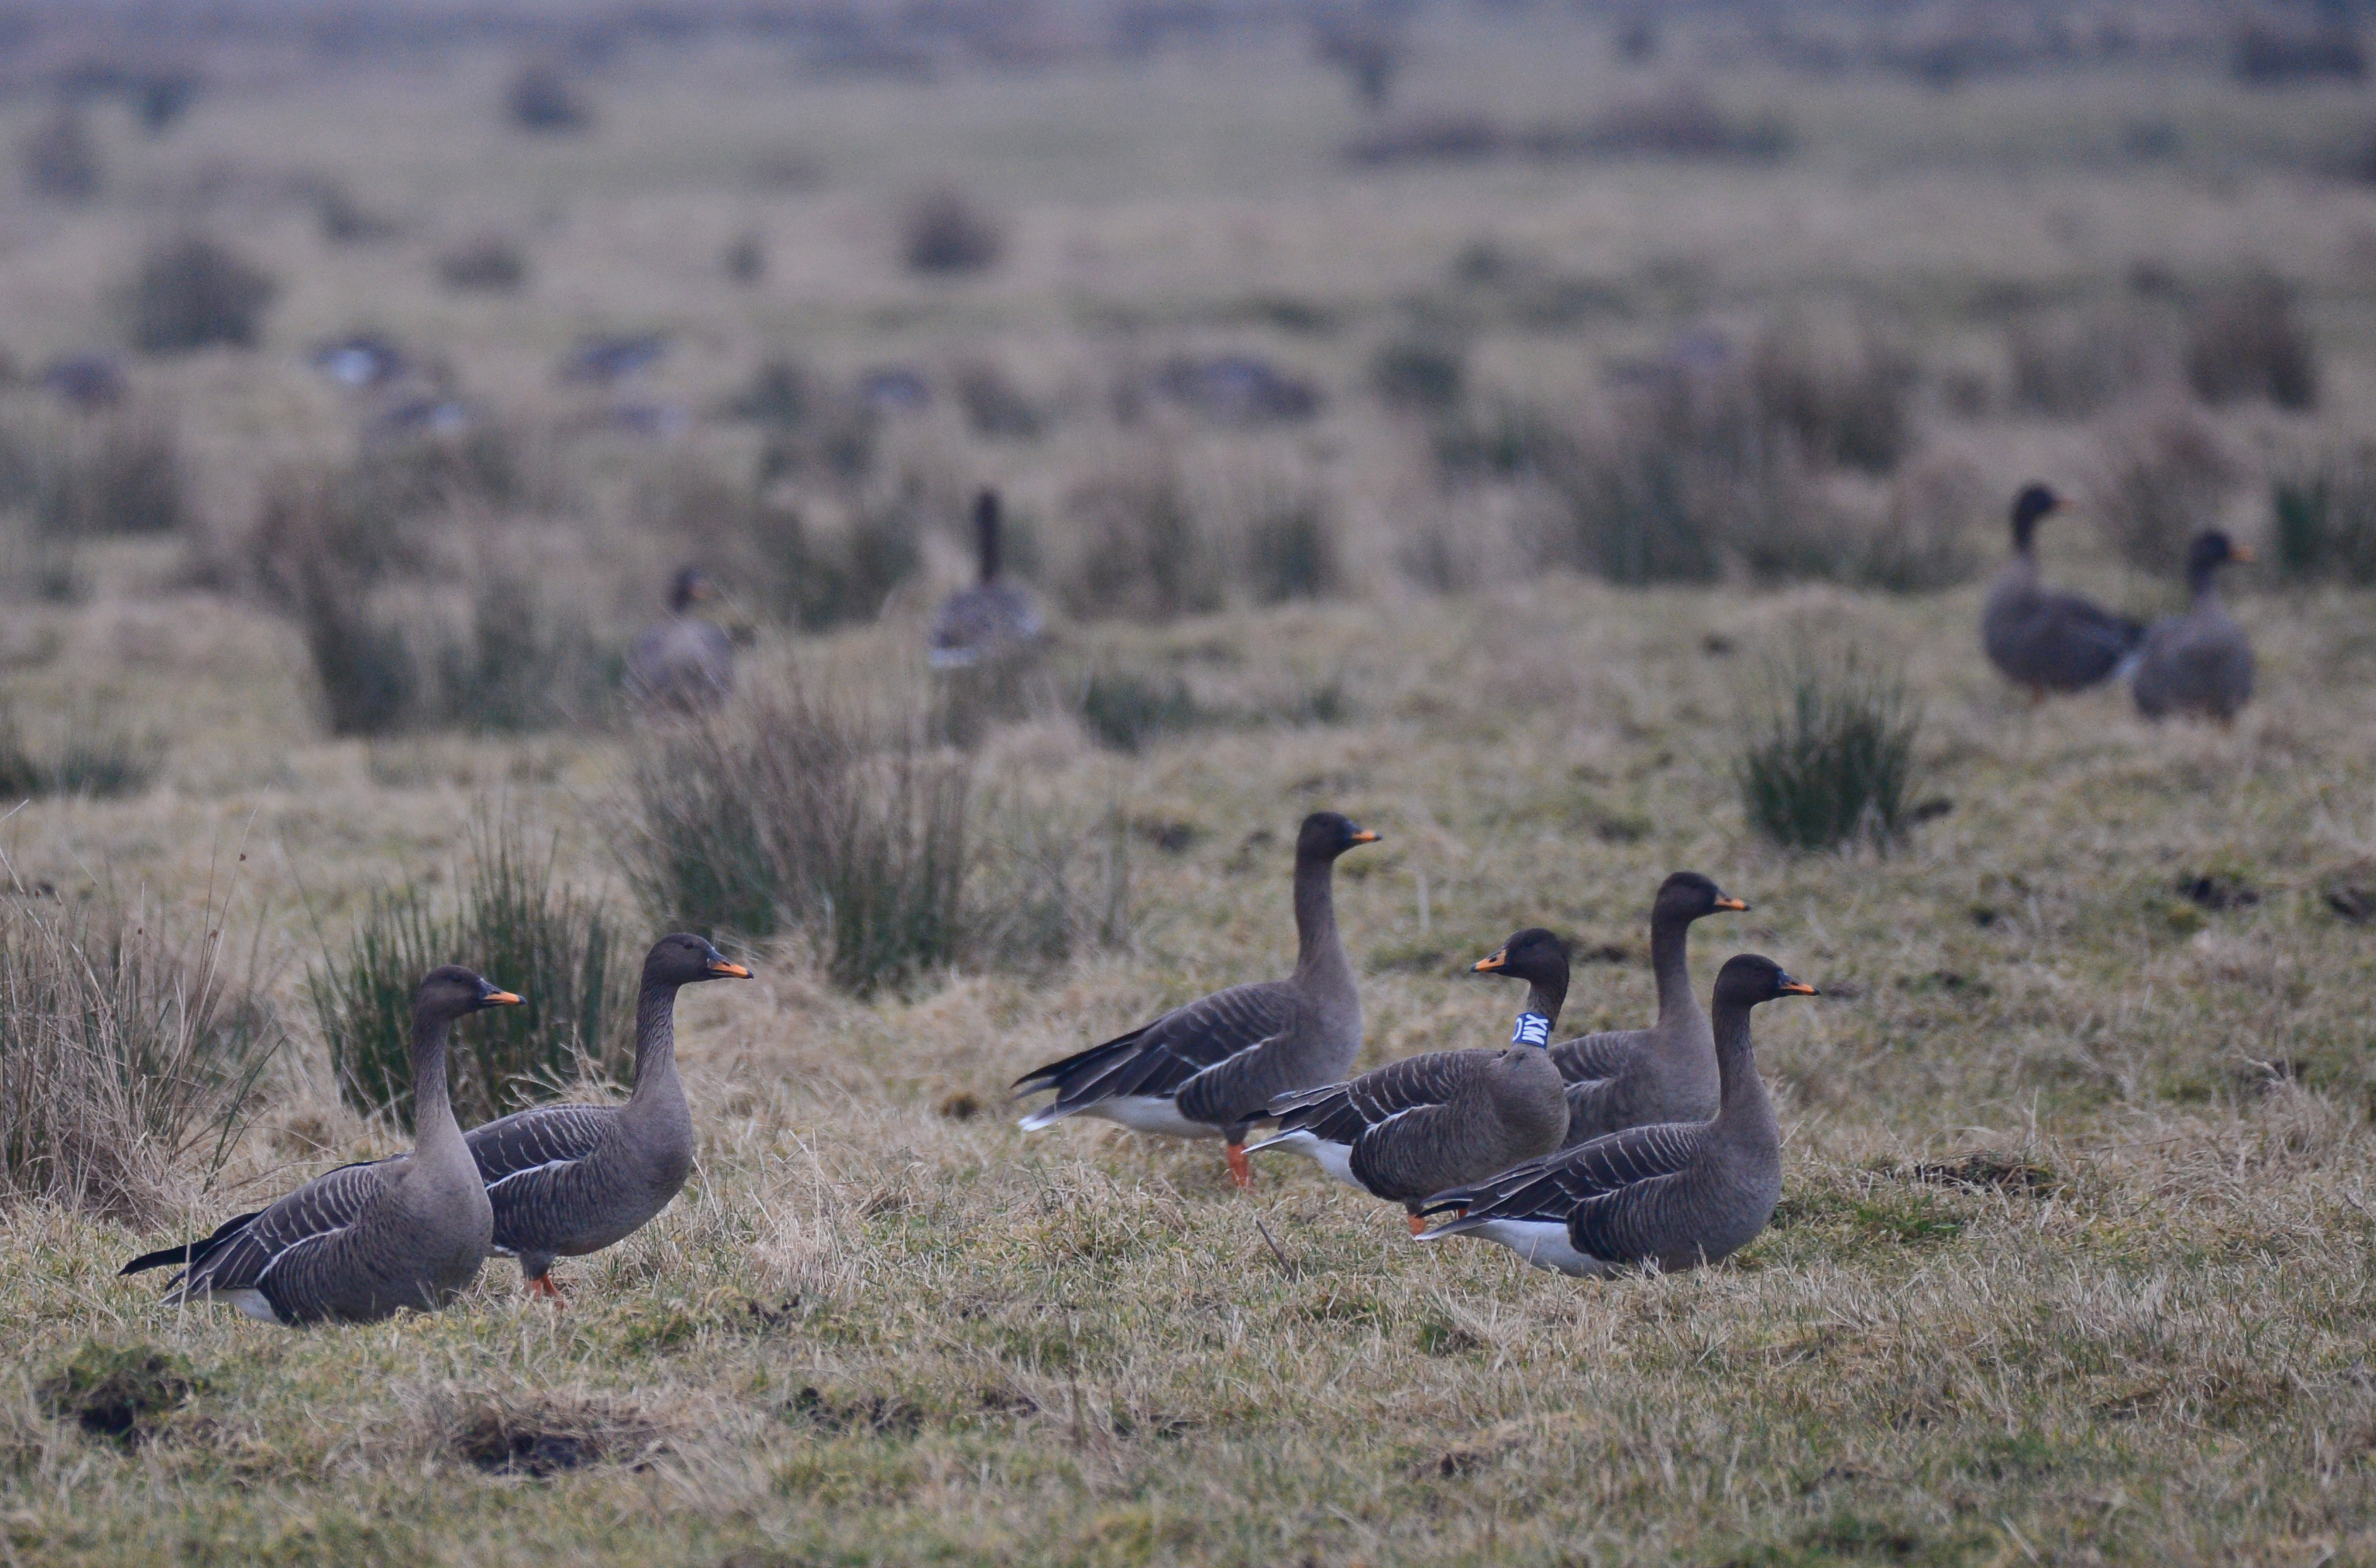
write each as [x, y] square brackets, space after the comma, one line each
[193, 293]
[2323, 517]
[118, 1392]
[2160, 478]
[539, 1436]
[943, 233]
[2247, 341]
[59, 158]
[126, 1056]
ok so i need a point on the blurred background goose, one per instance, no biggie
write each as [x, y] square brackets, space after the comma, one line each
[2201, 662]
[2040, 639]
[1666, 1072]
[1415, 1127]
[359, 1242]
[569, 1180]
[682, 662]
[993, 618]
[1209, 1069]
[1673, 1194]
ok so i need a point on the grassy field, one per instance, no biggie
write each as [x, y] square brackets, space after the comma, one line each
[2073, 1259]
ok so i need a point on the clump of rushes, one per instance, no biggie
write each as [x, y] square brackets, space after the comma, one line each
[559, 949]
[1827, 750]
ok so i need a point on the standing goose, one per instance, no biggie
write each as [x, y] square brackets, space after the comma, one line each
[2042, 639]
[356, 1243]
[1210, 1068]
[992, 618]
[1673, 1194]
[2200, 662]
[1666, 1072]
[682, 662]
[569, 1180]
[1415, 1127]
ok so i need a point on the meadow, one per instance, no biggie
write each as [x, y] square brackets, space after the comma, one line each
[2073, 1259]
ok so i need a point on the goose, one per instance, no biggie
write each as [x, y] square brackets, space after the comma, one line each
[1210, 1068]
[1675, 1195]
[989, 619]
[2042, 639]
[1666, 1072]
[682, 662]
[569, 1180]
[1415, 1127]
[356, 1243]
[2200, 662]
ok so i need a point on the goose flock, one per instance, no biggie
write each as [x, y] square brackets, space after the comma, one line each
[1655, 1147]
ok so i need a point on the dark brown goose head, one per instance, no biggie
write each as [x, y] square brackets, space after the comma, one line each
[2035, 501]
[1326, 835]
[450, 992]
[689, 587]
[1749, 979]
[1687, 895]
[1541, 959]
[985, 533]
[2211, 550]
[684, 958]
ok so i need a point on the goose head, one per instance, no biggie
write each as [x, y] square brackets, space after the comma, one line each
[2210, 550]
[683, 958]
[1326, 835]
[2035, 501]
[689, 587]
[1749, 979]
[1687, 895]
[1533, 955]
[450, 992]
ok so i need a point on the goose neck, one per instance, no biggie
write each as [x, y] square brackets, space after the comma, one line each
[1317, 946]
[1669, 962]
[433, 1127]
[1547, 995]
[655, 1037]
[1741, 1098]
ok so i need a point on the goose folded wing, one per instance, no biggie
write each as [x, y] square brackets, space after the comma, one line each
[1157, 1058]
[1340, 1113]
[1587, 1057]
[536, 1138]
[324, 1206]
[1554, 1184]
[2082, 622]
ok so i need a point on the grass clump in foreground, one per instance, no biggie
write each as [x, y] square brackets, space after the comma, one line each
[521, 927]
[118, 1391]
[124, 1057]
[1827, 750]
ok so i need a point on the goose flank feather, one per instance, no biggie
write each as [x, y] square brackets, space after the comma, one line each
[2199, 663]
[2042, 638]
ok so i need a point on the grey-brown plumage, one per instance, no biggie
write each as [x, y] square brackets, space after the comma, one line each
[1666, 1072]
[2199, 663]
[1416, 1126]
[995, 618]
[1674, 1194]
[569, 1180]
[2042, 638]
[357, 1243]
[1210, 1068]
[682, 662]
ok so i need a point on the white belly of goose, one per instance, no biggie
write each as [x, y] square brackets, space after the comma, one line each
[1542, 1242]
[1334, 1157]
[1140, 1113]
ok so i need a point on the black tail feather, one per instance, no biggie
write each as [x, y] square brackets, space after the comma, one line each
[1078, 1068]
[189, 1254]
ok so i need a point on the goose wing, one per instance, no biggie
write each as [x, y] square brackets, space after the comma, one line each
[1590, 1057]
[1341, 1113]
[1552, 1187]
[513, 1150]
[242, 1251]
[1157, 1060]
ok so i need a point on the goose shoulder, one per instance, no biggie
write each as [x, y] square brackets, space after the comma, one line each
[248, 1257]
[542, 1138]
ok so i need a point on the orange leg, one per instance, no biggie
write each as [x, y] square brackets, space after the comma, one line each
[1241, 1172]
[542, 1285]
[1417, 1225]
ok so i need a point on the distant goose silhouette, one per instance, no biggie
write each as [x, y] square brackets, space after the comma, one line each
[682, 662]
[359, 1242]
[1210, 1068]
[2041, 638]
[2201, 662]
[993, 618]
